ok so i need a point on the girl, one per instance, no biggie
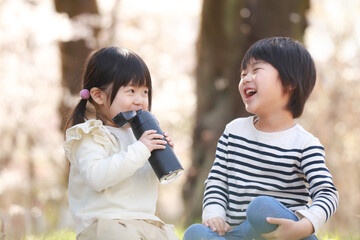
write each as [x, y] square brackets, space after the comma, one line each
[112, 187]
[269, 179]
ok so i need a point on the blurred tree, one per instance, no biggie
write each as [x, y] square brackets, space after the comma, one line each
[74, 52]
[227, 30]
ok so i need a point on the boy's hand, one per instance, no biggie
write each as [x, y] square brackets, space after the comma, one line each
[289, 229]
[152, 140]
[217, 224]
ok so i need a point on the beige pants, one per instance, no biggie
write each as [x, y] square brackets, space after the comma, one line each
[115, 229]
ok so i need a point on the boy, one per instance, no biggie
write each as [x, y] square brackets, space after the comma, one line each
[269, 179]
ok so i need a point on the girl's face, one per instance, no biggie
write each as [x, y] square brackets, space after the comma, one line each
[128, 98]
[261, 89]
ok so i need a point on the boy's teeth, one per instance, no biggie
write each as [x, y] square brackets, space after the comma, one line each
[250, 92]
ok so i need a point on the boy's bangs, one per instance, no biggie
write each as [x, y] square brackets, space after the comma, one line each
[257, 52]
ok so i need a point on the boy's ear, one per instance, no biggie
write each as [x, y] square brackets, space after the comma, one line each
[98, 95]
[289, 89]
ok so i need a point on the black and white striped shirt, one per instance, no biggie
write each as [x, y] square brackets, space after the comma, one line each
[287, 165]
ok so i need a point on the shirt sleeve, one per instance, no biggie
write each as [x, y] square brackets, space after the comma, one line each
[101, 170]
[215, 200]
[323, 193]
[90, 149]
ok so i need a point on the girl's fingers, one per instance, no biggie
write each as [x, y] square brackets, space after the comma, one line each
[157, 136]
[153, 135]
[159, 142]
[168, 139]
[159, 147]
[156, 141]
[149, 133]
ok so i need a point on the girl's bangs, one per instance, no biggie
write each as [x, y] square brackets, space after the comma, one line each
[140, 79]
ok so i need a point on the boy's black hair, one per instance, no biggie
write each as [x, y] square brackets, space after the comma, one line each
[295, 66]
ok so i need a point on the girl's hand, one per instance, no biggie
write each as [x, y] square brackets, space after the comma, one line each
[152, 140]
[169, 140]
[217, 224]
[289, 229]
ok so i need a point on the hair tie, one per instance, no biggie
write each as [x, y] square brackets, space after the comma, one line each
[85, 94]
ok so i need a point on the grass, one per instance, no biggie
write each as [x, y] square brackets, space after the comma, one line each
[179, 231]
[57, 235]
[70, 235]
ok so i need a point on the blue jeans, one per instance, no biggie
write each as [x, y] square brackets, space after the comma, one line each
[258, 210]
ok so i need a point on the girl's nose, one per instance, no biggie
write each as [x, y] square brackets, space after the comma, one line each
[138, 99]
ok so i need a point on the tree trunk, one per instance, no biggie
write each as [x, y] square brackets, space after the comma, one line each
[73, 53]
[228, 29]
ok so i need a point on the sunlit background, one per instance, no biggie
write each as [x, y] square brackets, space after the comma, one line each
[164, 34]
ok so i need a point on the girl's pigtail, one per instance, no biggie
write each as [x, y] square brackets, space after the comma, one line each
[78, 115]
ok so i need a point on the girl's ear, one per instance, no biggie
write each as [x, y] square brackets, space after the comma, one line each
[98, 95]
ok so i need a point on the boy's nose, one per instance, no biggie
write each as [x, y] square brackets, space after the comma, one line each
[247, 78]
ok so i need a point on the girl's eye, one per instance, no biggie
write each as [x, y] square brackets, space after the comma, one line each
[146, 91]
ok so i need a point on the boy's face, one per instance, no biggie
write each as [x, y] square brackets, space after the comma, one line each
[261, 89]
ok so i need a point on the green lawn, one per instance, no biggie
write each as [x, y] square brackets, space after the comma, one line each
[58, 235]
[69, 235]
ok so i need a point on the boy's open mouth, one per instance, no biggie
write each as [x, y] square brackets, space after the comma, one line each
[250, 92]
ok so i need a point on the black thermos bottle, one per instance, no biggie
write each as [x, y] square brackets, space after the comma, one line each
[164, 161]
